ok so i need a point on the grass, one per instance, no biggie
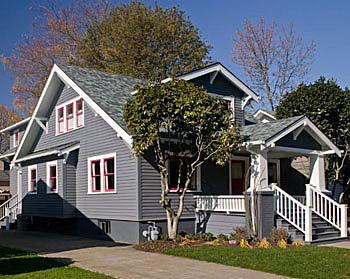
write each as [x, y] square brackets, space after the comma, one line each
[18, 264]
[298, 262]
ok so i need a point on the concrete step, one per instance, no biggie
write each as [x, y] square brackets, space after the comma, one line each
[325, 235]
[328, 240]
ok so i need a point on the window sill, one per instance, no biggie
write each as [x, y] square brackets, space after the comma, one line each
[32, 193]
[51, 192]
[102, 193]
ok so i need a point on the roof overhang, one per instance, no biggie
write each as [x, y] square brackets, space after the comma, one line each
[55, 79]
[213, 70]
[261, 113]
[15, 126]
[297, 127]
[4, 156]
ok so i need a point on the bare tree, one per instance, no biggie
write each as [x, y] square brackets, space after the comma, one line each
[274, 58]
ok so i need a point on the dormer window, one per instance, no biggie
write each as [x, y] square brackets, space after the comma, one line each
[70, 116]
[16, 138]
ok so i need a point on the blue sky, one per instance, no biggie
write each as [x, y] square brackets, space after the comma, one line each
[327, 22]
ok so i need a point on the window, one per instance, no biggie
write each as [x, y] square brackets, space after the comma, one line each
[51, 178]
[102, 170]
[79, 110]
[70, 116]
[173, 165]
[70, 120]
[60, 121]
[32, 179]
[109, 174]
[105, 226]
[16, 138]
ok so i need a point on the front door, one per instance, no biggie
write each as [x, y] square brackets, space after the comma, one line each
[237, 177]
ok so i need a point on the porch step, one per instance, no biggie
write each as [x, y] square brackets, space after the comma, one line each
[322, 231]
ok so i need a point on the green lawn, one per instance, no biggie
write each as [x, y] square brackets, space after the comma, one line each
[19, 264]
[301, 262]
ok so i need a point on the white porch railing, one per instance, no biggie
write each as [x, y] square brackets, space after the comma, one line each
[328, 209]
[292, 210]
[220, 203]
[301, 199]
[8, 206]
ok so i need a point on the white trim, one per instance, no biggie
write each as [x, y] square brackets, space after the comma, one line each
[102, 177]
[65, 79]
[246, 160]
[199, 179]
[19, 184]
[75, 120]
[7, 155]
[14, 126]
[278, 163]
[30, 168]
[260, 111]
[42, 126]
[213, 76]
[38, 155]
[298, 131]
[322, 139]
[48, 165]
[296, 150]
[120, 131]
[227, 74]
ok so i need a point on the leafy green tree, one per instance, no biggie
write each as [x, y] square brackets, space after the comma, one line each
[130, 39]
[182, 120]
[144, 42]
[327, 105]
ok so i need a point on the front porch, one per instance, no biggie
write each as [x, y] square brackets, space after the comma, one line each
[284, 196]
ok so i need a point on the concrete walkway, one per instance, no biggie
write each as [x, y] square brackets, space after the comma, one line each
[341, 244]
[120, 260]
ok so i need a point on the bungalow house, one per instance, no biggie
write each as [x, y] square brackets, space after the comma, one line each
[73, 169]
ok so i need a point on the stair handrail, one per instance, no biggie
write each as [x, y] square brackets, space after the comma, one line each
[5, 207]
[293, 211]
[328, 209]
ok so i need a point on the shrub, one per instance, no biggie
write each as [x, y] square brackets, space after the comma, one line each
[238, 234]
[178, 238]
[222, 237]
[279, 234]
[282, 243]
[207, 236]
[164, 237]
[189, 237]
[298, 243]
[264, 244]
[244, 244]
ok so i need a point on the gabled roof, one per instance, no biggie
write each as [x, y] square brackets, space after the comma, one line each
[270, 132]
[15, 126]
[109, 91]
[219, 68]
[104, 93]
[8, 153]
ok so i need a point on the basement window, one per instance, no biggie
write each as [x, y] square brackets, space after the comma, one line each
[105, 226]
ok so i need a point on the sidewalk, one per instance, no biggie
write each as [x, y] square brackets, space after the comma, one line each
[120, 260]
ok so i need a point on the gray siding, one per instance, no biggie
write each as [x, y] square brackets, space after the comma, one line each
[217, 223]
[42, 203]
[21, 133]
[96, 138]
[70, 188]
[222, 86]
[13, 181]
[304, 140]
[214, 181]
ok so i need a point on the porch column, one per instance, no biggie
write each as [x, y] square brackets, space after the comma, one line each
[317, 176]
[259, 171]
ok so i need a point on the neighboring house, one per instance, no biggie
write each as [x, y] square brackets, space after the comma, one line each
[4, 182]
[74, 170]
[265, 116]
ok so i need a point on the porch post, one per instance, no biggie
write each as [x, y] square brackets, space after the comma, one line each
[317, 176]
[259, 171]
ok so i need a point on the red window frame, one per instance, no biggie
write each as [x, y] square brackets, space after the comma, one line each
[79, 112]
[94, 176]
[51, 178]
[69, 116]
[60, 120]
[33, 180]
[16, 142]
[191, 188]
[106, 174]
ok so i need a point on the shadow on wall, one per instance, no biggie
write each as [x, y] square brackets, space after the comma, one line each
[292, 181]
[49, 212]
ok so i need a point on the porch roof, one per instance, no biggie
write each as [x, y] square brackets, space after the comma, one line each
[267, 134]
[265, 131]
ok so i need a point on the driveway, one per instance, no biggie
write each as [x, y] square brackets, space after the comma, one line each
[120, 260]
